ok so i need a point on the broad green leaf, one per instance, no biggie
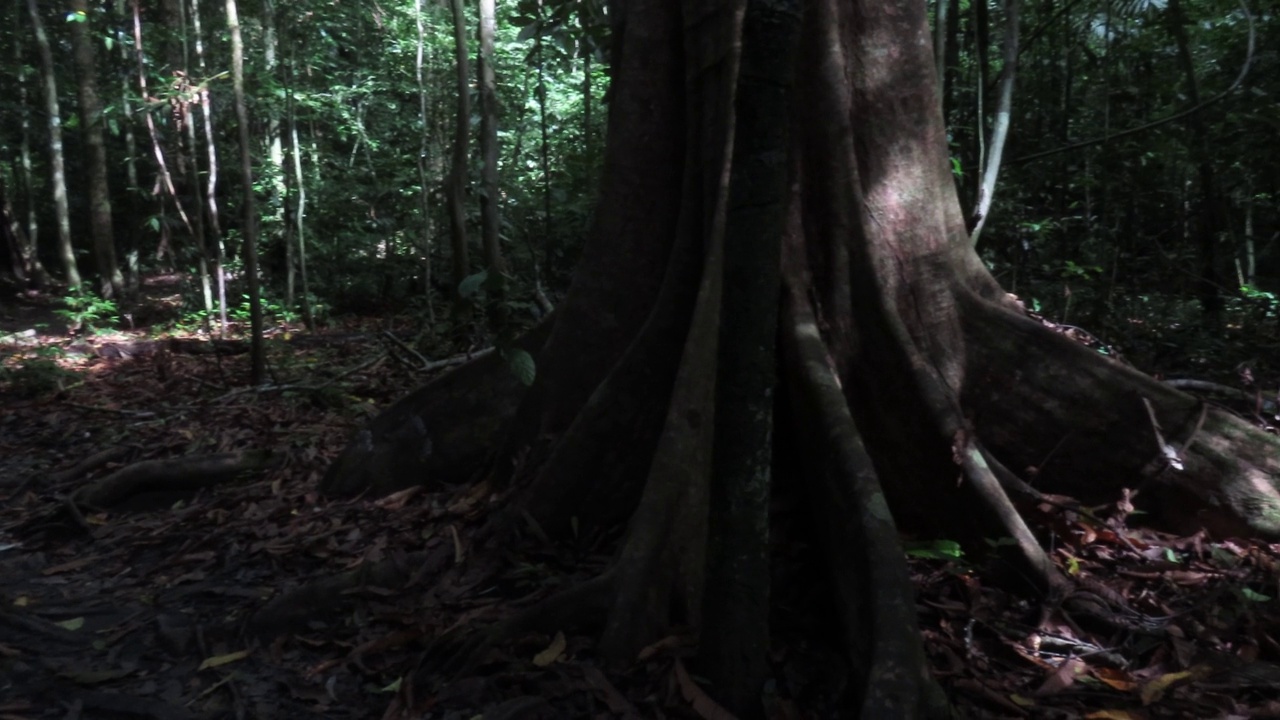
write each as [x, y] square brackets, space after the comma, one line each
[522, 364]
[1254, 596]
[934, 549]
[471, 284]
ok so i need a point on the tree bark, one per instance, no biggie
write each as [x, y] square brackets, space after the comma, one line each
[1000, 123]
[32, 267]
[111, 282]
[912, 381]
[258, 370]
[15, 237]
[456, 184]
[57, 161]
[490, 214]
[424, 146]
[1209, 208]
[211, 185]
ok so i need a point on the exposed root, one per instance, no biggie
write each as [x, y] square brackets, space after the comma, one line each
[459, 650]
[291, 610]
[181, 474]
[867, 565]
[443, 431]
[1028, 391]
[1033, 559]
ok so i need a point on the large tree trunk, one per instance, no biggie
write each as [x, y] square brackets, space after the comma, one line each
[111, 282]
[903, 365]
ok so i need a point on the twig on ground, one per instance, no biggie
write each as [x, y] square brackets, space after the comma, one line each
[117, 411]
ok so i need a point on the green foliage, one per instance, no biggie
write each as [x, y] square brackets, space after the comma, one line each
[86, 311]
[273, 312]
[34, 377]
[521, 364]
[934, 549]
[471, 285]
[1254, 596]
[1072, 270]
[1253, 293]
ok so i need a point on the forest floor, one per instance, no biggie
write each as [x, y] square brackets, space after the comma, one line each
[141, 610]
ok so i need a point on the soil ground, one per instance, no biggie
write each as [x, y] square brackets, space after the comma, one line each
[144, 610]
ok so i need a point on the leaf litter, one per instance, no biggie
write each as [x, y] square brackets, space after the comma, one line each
[155, 608]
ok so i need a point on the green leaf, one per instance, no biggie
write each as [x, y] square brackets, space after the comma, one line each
[74, 623]
[522, 364]
[470, 285]
[934, 549]
[1254, 596]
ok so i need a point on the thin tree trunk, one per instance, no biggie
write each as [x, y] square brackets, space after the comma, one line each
[951, 73]
[185, 97]
[1209, 207]
[548, 237]
[211, 185]
[588, 141]
[455, 192]
[300, 201]
[32, 265]
[1000, 125]
[275, 151]
[133, 191]
[982, 48]
[57, 163]
[424, 146]
[15, 238]
[258, 371]
[164, 180]
[490, 194]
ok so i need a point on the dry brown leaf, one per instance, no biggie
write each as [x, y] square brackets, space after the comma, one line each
[1062, 678]
[670, 642]
[1115, 715]
[398, 499]
[1117, 679]
[702, 703]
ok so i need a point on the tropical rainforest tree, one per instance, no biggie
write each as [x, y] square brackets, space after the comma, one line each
[771, 165]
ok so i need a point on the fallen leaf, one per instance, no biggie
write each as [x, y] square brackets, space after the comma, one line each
[702, 703]
[71, 624]
[219, 660]
[1062, 678]
[552, 653]
[1117, 679]
[1155, 690]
